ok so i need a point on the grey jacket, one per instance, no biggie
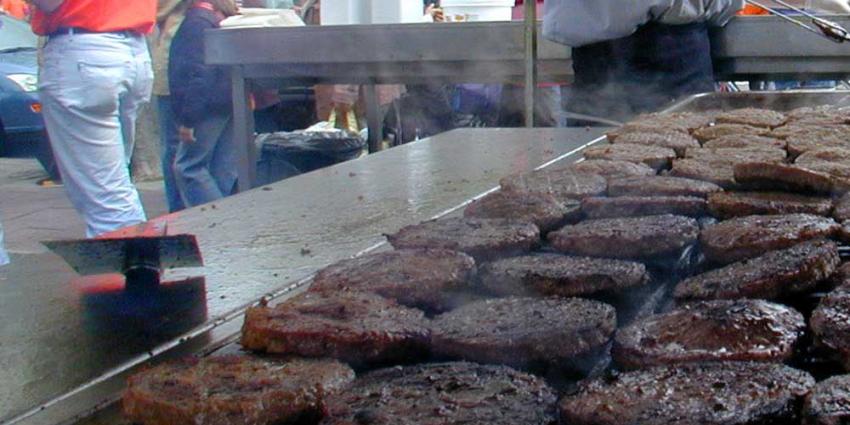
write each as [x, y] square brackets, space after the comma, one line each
[579, 22]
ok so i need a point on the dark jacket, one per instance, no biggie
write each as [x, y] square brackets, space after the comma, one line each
[197, 89]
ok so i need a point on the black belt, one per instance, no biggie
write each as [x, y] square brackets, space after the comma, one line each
[75, 30]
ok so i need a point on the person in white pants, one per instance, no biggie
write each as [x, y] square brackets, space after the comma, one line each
[95, 76]
[4, 256]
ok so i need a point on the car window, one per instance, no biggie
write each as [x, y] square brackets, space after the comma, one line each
[15, 33]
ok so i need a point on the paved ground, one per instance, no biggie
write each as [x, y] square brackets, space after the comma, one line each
[31, 213]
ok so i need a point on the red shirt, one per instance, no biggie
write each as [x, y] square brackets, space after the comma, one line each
[98, 16]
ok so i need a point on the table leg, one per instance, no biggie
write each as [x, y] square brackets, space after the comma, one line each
[243, 130]
[373, 118]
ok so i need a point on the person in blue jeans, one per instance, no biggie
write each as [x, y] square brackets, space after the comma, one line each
[205, 163]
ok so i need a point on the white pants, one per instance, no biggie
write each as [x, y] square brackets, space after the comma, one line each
[91, 87]
[4, 256]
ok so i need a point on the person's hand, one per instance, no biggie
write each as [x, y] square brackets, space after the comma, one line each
[185, 134]
[435, 12]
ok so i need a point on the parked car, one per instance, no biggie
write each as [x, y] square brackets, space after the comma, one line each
[22, 131]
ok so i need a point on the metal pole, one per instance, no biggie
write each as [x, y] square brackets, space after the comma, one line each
[530, 7]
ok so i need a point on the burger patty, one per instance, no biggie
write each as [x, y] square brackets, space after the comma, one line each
[483, 239]
[560, 275]
[715, 131]
[818, 115]
[647, 126]
[634, 206]
[660, 186]
[722, 330]
[677, 141]
[738, 155]
[627, 238]
[747, 237]
[745, 141]
[611, 169]
[655, 157]
[830, 324]
[541, 209]
[356, 327]
[793, 129]
[233, 390]
[737, 204]
[817, 138]
[717, 171]
[819, 155]
[752, 116]
[444, 394]
[424, 278]
[774, 275]
[522, 332]
[725, 393]
[829, 402]
[562, 184]
[770, 176]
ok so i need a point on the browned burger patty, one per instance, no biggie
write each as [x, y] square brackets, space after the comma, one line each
[747, 237]
[424, 278]
[233, 390]
[724, 330]
[774, 275]
[819, 155]
[820, 115]
[660, 186]
[635, 206]
[715, 131]
[818, 138]
[562, 184]
[745, 141]
[444, 394]
[541, 209]
[481, 238]
[724, 393]
[737, 204]
[561, 275]
[522, 332]
[830, 323]
[813, 131]
[627, 238]
[356, 327]
[718, 171]
[738, 155]
[611, 169]
[654, 156]
[752, 116]
[644, 127]
[677, 141]
[769, 176]
[829, 402]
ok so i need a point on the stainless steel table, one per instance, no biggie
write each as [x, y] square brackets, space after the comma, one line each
[67, 343]
[747, 48]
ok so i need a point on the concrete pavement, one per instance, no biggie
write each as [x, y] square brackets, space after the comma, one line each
[31, 213]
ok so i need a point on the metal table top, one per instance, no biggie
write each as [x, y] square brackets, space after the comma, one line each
[77, 340]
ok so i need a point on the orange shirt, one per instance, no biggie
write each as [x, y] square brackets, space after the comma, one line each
[98, 16]
[16, 8]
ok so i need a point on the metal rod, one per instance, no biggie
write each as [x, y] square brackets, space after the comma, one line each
[785, 17]
[530, 8]
[824, 28]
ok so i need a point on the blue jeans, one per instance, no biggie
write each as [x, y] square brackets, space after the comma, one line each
[206, 168]
[91, 88]
[168, 143]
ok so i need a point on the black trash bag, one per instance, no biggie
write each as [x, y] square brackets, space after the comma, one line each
[285, 154]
